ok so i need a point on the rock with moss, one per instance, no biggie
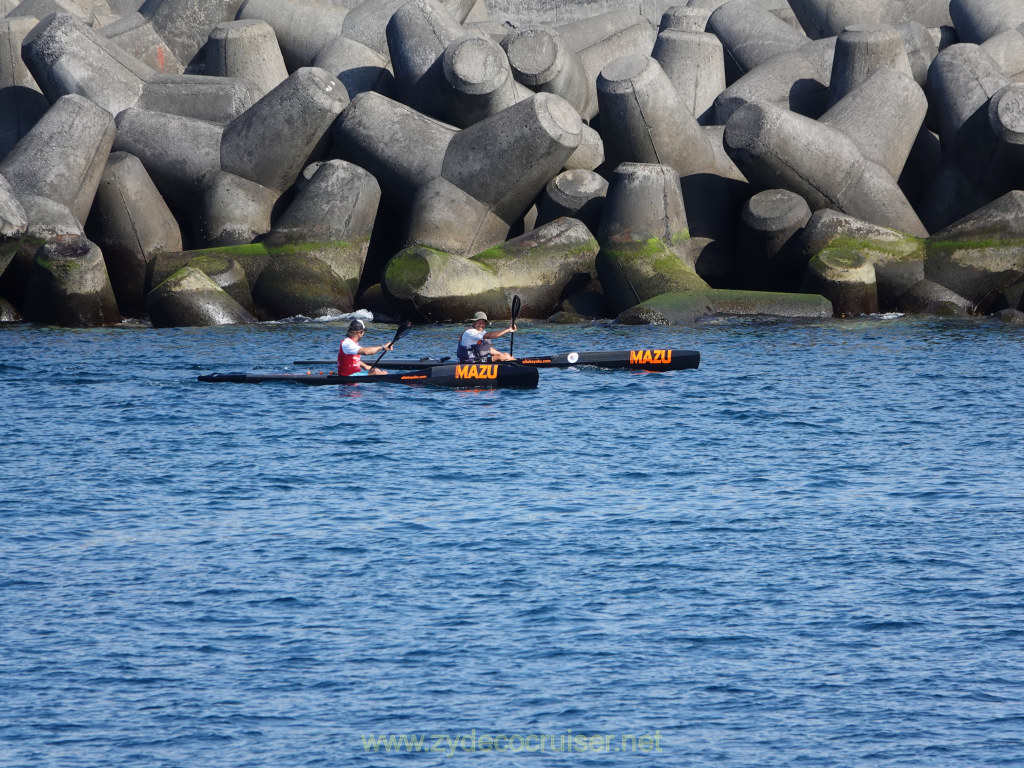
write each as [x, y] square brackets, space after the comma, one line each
[644, 237]
[228, 274]
[692, 306]
[540, 266]
[844, 277]
[68, 285]
[189, 297]
[981, 254]
[297, 284]
[47, 219]
[898, 258]
[251, 258]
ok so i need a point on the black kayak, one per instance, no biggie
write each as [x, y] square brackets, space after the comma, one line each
[630, 359]
[483, 376]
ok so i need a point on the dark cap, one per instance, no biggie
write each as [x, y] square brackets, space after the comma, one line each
[357, 325]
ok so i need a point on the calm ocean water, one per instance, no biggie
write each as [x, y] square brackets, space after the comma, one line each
[809, 552]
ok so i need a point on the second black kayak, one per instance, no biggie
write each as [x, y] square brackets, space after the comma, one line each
[485, 376]
[635, 359]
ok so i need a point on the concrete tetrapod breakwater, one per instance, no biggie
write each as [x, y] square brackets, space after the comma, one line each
[195, 162]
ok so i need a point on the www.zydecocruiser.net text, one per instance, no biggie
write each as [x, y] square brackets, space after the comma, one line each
[451, 744]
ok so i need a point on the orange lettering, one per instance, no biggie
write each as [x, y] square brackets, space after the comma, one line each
[635, 357]
[476, 371]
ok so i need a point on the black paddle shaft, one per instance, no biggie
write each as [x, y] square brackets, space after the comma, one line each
[403, 328]
[516, 305]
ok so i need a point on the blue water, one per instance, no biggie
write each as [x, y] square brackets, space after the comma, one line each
[809, 552]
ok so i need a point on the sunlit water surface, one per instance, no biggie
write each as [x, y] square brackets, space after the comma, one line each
[808, 552]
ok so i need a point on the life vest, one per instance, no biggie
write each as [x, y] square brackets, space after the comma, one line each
[347, 364]
[477, 352]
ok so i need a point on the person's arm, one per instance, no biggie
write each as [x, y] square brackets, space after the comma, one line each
[495, 334]
[374, 350]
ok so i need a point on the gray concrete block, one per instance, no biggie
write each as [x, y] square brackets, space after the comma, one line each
[21, 101]
[589, 155]
[446, 218]
[63, 156]
[273, 140]
[960, 82]
[418, 34]
[750, 36]
[65, 56]
[695, 65]
[642, 119]
[13, 223]
[599, 40]
[401, 147]
[246, 49]
[367, 21]
[40, 9]
[13, 71]
[861, 51]
[844, 277]
[185, 25]
[234, 211]
[338, 203]
[541, 61]
[883, 116]
[130, 222]
[180, 153]
[579, 194]
[978, 20]
[214, 99]
[358, 67]
[1007, 50]
[769, 254]
[505, 160]
[790, 81]
[332, 219]
[979, 255]
[779, 149]
[135, 34]
[928, 297]
[685, 19]
[302, 27]
[68, 286]
[189, 297]
[644, 201]
[477, 82]
[822, 18]
[920, 47]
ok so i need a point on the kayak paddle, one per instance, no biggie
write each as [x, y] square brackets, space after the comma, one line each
[516, 305]
[403, 328]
